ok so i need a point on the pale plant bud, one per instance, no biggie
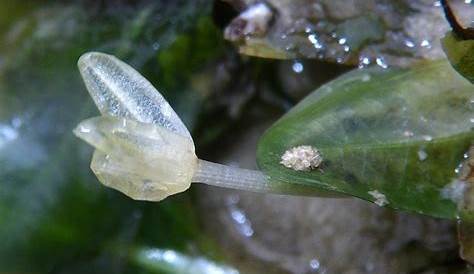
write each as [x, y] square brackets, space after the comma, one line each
[143, 149]
[144, 161]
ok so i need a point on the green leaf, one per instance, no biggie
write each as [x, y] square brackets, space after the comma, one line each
[460, 53]
[398, 132]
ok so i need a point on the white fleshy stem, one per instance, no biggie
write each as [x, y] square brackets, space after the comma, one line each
[230, 177]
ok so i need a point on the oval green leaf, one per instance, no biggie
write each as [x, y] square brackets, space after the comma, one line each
[400, 133]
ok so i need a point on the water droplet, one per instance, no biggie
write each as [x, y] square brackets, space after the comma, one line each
[381, 62]
[242, 223]
[363, 61]
[247, 231]
[409, 44]
[238, 216]
[170, 256]
[156, 46]
[408, 133]
[422, 155]
[7, 134]
[297, 67]
[314, 40]
[342, 41]
[458, 169]
[425, 43]
[428, 138]
[346, 48]
[314, 264]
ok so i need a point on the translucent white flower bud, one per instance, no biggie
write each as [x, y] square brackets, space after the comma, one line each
[143, 149]
[144, 161]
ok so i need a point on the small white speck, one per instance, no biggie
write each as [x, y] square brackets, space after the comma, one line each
[428, 138]
[458, 168]
[301, 158]
[380, 198]
[170, 256]
[314, 264]
[425, 44]
[342, 41]
[297, 67]
[381, 62]
[422, 155]
[365, 61]
[238, 216]
[314, 40]
[409, 44]
[408, 133]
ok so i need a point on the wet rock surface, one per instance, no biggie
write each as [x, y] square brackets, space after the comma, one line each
[394, 32]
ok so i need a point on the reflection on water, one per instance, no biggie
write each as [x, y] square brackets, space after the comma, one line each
[9, 130]
[242, 223]
[171, 261]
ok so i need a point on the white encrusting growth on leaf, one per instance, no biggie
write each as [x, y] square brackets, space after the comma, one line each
[142, 148]
[380, 198]
[301, 158]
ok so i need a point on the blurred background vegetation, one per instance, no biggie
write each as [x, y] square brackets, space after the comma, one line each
[56, 218]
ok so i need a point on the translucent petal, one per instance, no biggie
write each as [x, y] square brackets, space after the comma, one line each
[144, 161]
[119, 90]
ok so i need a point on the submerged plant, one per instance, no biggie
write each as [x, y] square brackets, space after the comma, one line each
[143, 149]
[394, 137]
